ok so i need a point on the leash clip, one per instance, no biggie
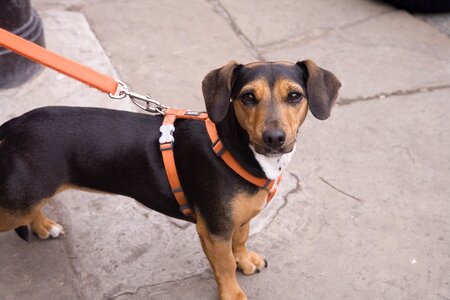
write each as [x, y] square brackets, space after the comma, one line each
[143, 102]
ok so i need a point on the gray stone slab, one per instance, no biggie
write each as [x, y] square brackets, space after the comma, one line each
[268, 23]
[39, 270]
[391, 53]
[168, 48]
[71, 5]
[118, 245]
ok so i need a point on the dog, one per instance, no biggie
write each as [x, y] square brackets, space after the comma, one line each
[257, 109]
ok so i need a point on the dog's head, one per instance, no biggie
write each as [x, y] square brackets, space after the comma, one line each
[270, 100]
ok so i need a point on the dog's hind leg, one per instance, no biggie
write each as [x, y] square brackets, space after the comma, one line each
[44, 227]
[16, 221]
[11, 220]
[41, 225]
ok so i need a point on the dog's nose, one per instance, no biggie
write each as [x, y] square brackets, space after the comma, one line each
[274, 138]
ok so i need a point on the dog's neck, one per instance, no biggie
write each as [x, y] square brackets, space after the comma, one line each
[273, 166]
[236, 140]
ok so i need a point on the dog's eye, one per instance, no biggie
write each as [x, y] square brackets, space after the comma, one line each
[294, 97]
[248, 99]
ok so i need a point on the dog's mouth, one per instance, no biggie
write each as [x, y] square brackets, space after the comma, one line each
[270, 152]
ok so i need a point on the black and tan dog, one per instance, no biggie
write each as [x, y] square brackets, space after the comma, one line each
[257, 108]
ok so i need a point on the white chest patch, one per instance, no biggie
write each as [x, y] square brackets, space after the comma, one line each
[273, 166]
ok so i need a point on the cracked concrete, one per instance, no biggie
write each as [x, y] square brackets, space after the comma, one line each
[224, 13]
[315, 34]
[347, 101]
[280, 20]
[125, 294]
[362, 210]
[339, 190]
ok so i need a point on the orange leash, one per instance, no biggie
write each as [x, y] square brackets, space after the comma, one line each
[115, 88]
[58, 63]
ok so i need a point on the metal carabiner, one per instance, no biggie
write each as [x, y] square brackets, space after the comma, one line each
[150, 105]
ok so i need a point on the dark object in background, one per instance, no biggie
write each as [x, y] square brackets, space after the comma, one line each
[18, 17]
[422, 6]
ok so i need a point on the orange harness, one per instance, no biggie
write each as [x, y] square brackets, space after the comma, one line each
[166, 146]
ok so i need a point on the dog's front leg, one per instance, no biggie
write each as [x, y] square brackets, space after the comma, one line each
[219, 252]
[248, 262]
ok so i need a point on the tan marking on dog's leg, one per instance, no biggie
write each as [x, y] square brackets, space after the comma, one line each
[245, 207]
[9, 221]
[12, 220]
[41, 225]
[44, 227]
[220, 255]
[248, 262]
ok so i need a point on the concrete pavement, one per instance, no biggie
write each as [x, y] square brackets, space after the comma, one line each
[363, 210]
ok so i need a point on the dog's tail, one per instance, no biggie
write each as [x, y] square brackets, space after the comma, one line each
[23, 232]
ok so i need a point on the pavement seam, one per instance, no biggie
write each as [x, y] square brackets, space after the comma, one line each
[298, 187]
[315, 34]
[220, 9]
[128, 292]
[70, 255]
[348, 101]
[339, 190]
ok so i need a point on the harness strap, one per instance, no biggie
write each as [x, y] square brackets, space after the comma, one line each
[166, 146]
[220, 150]
[166, 142]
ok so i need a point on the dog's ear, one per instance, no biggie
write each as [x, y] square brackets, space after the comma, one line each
[321, 87]
[216, 88]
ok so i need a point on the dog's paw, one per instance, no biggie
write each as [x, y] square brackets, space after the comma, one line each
[47, 229]
[239, 295]
[250, 263]
[55, 231]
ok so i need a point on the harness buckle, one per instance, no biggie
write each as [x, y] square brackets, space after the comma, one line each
[192, 113]
[218, 147]
[166, 133]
